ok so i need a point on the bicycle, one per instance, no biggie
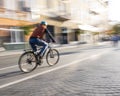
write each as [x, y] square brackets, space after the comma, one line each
[29, 61]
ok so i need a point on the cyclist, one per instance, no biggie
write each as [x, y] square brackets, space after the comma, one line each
[36, 38]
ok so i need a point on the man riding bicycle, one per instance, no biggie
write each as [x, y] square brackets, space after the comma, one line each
[37, 38]
[29, 61]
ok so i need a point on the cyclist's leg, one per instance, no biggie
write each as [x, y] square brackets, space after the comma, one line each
[44, 47]
[33, 42]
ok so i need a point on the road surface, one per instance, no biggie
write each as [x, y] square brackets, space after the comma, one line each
[90, 71]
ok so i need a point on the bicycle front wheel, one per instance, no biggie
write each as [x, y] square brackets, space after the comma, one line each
[27, 62]
[52, 57]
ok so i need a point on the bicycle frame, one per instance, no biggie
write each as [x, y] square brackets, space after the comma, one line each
[48, 49]
[39, 48]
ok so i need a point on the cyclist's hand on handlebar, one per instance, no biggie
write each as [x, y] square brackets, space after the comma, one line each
[54, 41]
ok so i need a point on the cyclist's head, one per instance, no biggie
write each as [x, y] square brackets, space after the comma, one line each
[43, 23]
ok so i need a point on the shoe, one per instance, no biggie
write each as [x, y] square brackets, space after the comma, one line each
[38, 62]
[40, 59]
[37, 58]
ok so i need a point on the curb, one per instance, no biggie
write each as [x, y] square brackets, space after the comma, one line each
[17, 52]
[59, 47]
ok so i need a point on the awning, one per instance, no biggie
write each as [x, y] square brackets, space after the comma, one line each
[90, 28]
[13, 22]
[59, 18]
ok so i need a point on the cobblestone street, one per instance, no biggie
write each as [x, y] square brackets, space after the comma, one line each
[95, 76]
[59, 48]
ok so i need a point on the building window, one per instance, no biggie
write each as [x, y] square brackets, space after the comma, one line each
[1, 3]
[22, 6]
[16, 36]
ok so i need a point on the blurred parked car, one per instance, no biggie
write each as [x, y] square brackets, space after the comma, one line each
[106, 39]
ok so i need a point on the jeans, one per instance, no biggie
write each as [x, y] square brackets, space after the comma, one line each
[36, 41]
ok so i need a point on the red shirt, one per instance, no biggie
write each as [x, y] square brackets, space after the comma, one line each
[38, 32]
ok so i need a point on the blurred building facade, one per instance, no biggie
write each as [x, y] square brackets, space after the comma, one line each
[94, 19]
[13, 13]
[63, 17]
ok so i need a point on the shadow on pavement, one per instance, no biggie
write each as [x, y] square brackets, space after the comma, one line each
[10, 74]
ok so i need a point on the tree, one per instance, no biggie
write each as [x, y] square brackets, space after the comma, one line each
[116, 29]
[27, 29]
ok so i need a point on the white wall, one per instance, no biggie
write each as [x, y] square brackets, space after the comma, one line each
[10, 4]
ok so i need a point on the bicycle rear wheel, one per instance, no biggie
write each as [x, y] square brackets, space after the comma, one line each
[52, 57]
[27, 62]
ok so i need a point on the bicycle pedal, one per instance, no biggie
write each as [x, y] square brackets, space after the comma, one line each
[38, 63]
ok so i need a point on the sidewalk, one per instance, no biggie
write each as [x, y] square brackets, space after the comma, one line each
[4, 52]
